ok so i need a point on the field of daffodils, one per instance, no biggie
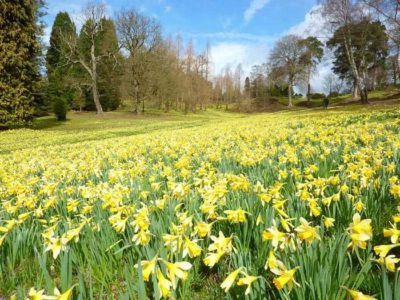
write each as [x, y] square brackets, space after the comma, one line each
[279, 206]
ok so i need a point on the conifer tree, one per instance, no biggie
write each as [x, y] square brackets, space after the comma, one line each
[19, 61]
[59, 71]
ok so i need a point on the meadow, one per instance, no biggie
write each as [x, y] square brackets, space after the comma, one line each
[215, 205]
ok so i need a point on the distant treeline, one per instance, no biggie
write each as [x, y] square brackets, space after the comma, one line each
[125, 62]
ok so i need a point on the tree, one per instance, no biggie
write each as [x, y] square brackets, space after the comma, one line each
[369, 47]
[312, 56]
[58, 69]
[286, 61]
[247, 87]
[109, 68]
[139, 35]
[238, 83]
[341, 14]
[19, 61]
[389, 11]
[332, 84]
[85, 51]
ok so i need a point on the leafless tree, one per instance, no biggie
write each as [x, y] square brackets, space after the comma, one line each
[389, 12]
[93, 16]
[285, 61]
[140, 36]
[332, 83]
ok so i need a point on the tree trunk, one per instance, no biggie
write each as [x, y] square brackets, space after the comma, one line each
[356, 95]
[359, 81]
[398, 65]
[290, 93]
[309, 86]
[95, 91]
[136, 100]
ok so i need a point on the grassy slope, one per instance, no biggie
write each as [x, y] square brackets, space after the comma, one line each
[81, 127]
[87, 127]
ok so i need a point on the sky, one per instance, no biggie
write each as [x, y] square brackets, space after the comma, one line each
[239, 31]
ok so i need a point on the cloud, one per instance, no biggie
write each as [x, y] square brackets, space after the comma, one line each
[255, 6]
[234, 53]
[233, 35]
[312, 25]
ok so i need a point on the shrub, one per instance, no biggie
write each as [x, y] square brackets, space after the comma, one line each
[60, 109]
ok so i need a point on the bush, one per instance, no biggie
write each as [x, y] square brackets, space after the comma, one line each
[60, 109]
[317, 96]
[334, 94]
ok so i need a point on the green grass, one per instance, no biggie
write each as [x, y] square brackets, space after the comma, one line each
[112, 159]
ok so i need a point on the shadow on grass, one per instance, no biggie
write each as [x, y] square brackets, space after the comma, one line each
[47, 122]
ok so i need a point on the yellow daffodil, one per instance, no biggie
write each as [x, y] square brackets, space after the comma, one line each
[360, 232]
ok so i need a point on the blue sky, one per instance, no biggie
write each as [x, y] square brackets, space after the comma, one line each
[240, 31]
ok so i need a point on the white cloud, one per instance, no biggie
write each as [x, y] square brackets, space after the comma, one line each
[168, 8]
[255, 6]
[314, 25]
[234, 53]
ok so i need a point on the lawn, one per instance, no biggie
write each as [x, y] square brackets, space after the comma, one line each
[290, 205]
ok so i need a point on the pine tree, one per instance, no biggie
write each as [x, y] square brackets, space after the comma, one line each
[59, 93]
[109, 69]
[19, 63]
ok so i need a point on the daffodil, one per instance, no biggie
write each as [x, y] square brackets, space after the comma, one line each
[383, 250]
[236, 216]
[389, 262]
[213, 258]
[164, 285]
[306, 232]
[286, 278]
[360, 232]
[247, 280]
[274, 235]
[177, 270]
[393, 233]
[329, 222]
[356, 295]
[230, 280]
[148, 267]
[191, 247]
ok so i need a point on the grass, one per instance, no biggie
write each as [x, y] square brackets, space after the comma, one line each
[84, 202]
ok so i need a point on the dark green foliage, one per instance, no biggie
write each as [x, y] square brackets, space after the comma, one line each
[371, 43]
[19, 61]
[108, 69]
[312, 56]
[317, 96]
[60, 108]
[63, 28]
[60, 71]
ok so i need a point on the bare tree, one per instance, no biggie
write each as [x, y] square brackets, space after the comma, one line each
[341, 14]
[389, 11]
[286, 61]
[93, 17]
[238, 83]
[332, 83]
[140, 36]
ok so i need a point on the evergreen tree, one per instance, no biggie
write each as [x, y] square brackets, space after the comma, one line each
[59, 71]
[312, 56]
[370, 47]
[19, 61]
[108, 68]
